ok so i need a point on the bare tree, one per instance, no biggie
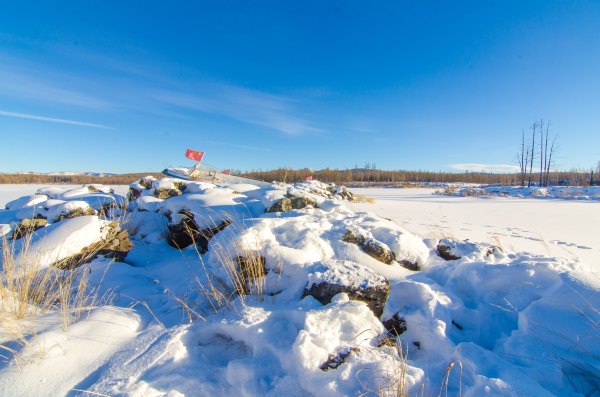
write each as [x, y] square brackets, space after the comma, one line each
[533, 133]
[523, 160]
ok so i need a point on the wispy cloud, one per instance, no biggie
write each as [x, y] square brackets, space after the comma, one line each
[23, 81]
[51, 119]
[246, 147]
[249, 106]
[501, 168]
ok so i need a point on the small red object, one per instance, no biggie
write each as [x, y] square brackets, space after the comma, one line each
[194, 155]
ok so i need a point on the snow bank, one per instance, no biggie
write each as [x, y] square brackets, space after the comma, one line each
[60, 241]
[551, 192]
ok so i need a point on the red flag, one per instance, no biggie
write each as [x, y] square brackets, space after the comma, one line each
[308, 178]
[194, 155]
[226, 172]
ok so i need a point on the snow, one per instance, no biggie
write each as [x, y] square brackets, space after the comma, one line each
[555, 228]
[58, 241]
[550, 192]
[514, 320]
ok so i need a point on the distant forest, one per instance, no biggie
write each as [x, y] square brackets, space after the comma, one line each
[121, 179]
[353, 177]
[367, 176]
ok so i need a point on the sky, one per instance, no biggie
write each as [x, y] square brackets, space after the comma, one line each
[120, 87]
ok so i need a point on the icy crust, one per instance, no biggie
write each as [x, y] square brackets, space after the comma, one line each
[551, 192]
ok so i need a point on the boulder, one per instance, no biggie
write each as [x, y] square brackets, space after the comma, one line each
[28, 226]
[76, 212]
[164, 194]
[187, 232]
[395, 325]
[359, 282]
[302, 202]
[371, 247]
[283, 205]
[116, 244]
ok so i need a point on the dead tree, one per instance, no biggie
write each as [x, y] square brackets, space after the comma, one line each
[531, 157]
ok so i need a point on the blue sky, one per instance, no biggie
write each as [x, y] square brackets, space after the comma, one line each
[128, 86]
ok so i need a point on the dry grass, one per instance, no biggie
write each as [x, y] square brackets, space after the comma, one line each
[28, 292]
[240, 273]
[359, 198]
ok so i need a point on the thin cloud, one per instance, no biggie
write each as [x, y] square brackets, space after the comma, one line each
[52, 119]
[242, 104]
[500, 168]
[246, 147]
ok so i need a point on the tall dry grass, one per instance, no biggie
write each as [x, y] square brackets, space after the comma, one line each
[29, 291]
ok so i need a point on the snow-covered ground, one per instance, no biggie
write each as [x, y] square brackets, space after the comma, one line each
[9, 192]
[552, 227]
[551, 192]
[294, 290]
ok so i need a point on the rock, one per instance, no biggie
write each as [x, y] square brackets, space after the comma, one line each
[187, 232]
[405, 263]
[359, 282]
[115, 245]
[453, 250]
[445, 249]
[146, 182]
[344, 193]
[371, 247]
[302, 202]
[335, 360]
[164, 194]
[395, 325]
[283, 205]
[28, 226]
[134, 193]
[76, 212]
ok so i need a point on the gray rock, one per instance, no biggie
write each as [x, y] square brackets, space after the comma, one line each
[283, 205]
[371, 247]
[28, 226]
[302, 202]
[187, 232]
[359, 282]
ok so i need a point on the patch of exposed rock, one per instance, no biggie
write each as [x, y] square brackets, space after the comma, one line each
[28, 226]
[76, 212]
[371, 247]
[451, 250]
[283, 205]
[359, 282]
[187, 232]
[116, 244]
[302, 202]
[335, 360]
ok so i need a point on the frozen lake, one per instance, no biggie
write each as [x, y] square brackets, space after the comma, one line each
[565, 228]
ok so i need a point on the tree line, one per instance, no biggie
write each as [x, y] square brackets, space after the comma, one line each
[399, 177]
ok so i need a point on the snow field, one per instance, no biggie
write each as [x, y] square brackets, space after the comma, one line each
[518, 324]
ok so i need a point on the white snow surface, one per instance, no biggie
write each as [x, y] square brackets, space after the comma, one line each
[506, 322]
